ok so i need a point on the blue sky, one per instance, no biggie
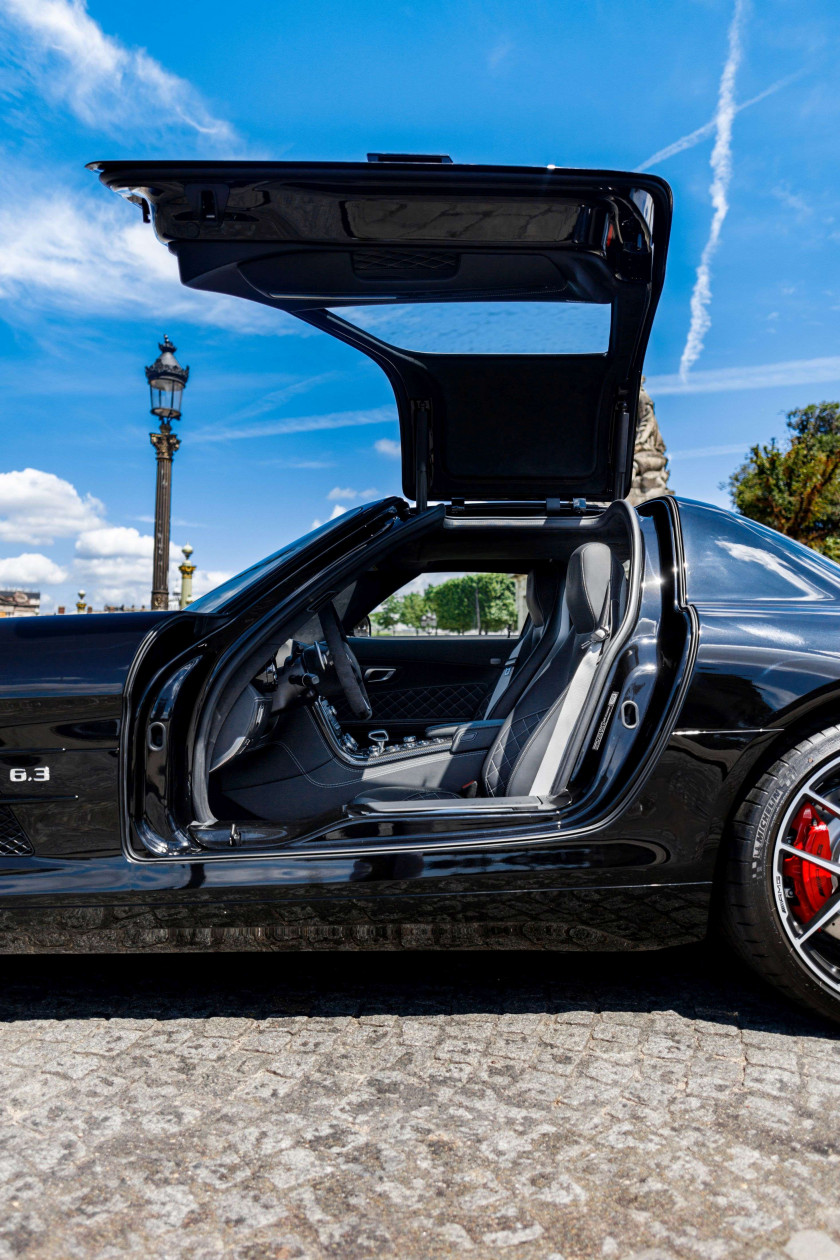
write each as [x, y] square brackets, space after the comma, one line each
[283, 426]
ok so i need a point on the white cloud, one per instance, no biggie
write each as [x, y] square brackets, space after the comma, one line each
[115, 562]
[37, 507]
[114, 540]
[91, 255]
[500, 52]
[298, 463]
[703, 452]
[387, 446]
[288, 389]
[343, 492]
[30, 571]
[721, 163]
[205, 580]
[793, 201]
[337, 511]
[299, 424]
[112, 563]
[758, 376]
[107, 86]
[708, 129]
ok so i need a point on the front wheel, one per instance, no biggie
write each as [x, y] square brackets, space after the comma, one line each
[781, 894]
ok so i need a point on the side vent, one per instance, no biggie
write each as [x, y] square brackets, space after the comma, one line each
[14, 841]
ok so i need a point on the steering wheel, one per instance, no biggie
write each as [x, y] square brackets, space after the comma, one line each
[346, 666]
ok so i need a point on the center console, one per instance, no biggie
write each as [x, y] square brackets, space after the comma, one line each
[379, 749]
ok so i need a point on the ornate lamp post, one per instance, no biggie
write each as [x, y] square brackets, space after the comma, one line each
[186, 570]
[167, 380]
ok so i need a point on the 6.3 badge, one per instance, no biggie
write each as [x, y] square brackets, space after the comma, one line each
[40, 774]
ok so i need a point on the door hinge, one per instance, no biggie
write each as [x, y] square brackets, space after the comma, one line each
[421, 410]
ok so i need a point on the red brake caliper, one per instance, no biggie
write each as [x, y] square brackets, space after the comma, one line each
[812, 884]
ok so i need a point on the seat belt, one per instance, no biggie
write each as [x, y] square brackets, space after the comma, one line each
[504, 679]
[572, 704]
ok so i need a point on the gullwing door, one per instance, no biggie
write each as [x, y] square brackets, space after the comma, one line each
[510, 307]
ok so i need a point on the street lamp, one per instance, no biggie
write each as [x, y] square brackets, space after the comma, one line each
[167, 380]
[186, 570]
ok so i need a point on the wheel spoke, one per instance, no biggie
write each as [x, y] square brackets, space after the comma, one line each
[826, 865]
[830, 911]
[823, 803]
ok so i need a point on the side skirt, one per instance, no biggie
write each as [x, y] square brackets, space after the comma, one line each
[614, 919]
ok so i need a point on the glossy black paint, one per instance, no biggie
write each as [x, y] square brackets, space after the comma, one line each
[61, 688]
[766, 669]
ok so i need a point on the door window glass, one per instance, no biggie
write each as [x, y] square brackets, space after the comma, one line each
[454, 604]
[487, 327]
[731, 559]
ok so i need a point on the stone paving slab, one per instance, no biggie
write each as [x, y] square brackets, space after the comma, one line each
[641, 1107]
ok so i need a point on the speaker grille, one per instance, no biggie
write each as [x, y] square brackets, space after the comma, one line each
[406, 263]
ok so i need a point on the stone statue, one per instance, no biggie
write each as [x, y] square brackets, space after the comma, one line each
[650, 463]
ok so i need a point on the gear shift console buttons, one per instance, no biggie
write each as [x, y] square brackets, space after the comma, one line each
[380, 739]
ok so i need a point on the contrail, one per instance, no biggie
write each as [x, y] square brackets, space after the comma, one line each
[694, 137]
[721, 163]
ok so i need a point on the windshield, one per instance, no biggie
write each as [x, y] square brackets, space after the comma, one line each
[488, 327]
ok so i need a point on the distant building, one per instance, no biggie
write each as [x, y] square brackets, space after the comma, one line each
[20, 603]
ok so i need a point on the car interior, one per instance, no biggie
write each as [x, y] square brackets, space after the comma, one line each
[335, 724]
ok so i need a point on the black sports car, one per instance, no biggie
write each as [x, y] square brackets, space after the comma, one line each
[657, 745]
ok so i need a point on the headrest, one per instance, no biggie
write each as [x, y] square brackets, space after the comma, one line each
[588, 585]
[541, 594]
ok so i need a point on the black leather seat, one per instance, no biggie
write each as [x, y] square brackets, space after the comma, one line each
[539, 639]
[525, 755]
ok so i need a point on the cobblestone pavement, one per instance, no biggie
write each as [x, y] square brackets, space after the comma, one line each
[356, 1105]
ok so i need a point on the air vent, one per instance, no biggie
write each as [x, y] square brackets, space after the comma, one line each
[411, 264]
[14, 841]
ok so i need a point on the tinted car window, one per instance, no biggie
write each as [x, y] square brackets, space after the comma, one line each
[730, 559]
[488, 327]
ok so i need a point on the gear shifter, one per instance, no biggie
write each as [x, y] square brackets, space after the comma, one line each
[380, 739]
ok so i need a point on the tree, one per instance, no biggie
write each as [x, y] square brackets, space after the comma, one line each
[796, 488]
[497, 601]
[388, 614]
[454, 602]
[415, 608]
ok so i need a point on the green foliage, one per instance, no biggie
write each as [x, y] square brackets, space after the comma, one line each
[795, 488]
[389, 614]
[454, 602]
[411, 609]
[452, 605]
[415, 610]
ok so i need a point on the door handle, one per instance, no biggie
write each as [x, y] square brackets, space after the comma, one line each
[376, 675]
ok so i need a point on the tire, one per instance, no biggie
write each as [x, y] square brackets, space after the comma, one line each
[764, 913]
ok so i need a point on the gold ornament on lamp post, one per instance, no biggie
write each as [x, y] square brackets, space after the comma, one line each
[186, 570]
